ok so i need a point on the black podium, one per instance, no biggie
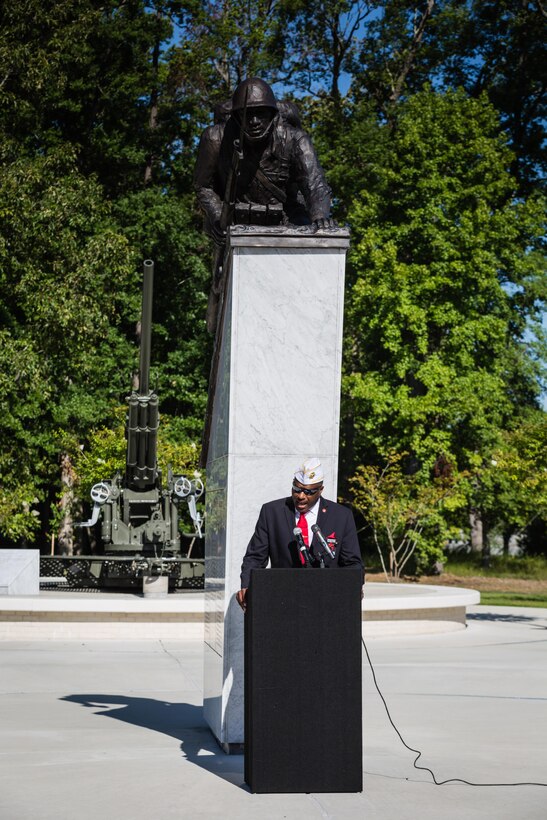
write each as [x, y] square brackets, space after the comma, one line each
[303, 714]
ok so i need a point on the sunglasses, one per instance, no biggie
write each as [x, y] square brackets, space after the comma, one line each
[297, 490]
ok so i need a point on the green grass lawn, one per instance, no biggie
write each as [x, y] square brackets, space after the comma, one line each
[531, 567]
[514, 599]
[459, 569]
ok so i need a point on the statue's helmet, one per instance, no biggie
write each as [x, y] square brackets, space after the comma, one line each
[251, 94]
[258, 94]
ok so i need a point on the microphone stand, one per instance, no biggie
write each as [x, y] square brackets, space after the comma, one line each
[321, 557]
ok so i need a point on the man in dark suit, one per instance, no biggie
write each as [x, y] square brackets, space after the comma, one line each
[274, 537]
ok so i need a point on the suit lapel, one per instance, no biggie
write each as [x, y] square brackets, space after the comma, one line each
[325, 519]
[289, 516]
[323, 515]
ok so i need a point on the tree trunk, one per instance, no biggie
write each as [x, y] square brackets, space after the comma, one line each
[475, 521]
[154, 97]
[485, 546]
[408, 61]
[508, 533]
[66, 528]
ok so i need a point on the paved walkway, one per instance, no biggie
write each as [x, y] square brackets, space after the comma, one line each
[115, 731]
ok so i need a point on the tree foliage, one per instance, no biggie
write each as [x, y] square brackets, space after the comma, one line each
[510, 488]
[429, 120]
[405, 512]
[446, 286]
[67, 295]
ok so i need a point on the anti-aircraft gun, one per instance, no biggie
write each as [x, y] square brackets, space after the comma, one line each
[139, 516]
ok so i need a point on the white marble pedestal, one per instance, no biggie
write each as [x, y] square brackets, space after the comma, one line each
[19, 572]
[277, 402]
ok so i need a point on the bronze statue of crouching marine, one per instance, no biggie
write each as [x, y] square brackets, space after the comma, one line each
[257, 166]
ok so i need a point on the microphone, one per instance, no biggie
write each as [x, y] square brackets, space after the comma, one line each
[297, 532]
[322, 540]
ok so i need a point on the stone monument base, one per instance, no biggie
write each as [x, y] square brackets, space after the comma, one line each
[276, 402]
[19, 572]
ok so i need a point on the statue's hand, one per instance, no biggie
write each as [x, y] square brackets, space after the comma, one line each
[324, 224]
[219, 236]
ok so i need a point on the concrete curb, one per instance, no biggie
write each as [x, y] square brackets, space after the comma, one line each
[387, 610]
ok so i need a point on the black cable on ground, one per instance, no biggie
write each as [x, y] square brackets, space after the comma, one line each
[419, 754]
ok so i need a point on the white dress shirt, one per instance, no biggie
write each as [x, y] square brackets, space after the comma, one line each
[311, 518]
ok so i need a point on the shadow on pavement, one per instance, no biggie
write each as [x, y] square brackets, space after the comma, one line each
[182, 721]
[512, 618]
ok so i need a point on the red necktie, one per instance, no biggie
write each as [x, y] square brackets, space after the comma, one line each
[303, 524]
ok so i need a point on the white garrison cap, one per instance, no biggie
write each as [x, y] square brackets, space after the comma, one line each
[310, 472]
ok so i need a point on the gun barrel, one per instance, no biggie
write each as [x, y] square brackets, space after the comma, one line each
[143, 417]
[146, 326]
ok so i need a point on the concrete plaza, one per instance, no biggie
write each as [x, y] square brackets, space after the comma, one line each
[114, 730]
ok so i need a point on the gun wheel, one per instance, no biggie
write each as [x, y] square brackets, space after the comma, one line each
[100, 493]
[182, 487]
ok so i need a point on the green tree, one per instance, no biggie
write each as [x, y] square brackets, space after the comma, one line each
[326, 39]
[446, 280]
[68, 293]
[392, 58]
[224, 42]
[101, 104]
[499, 47]
[96, 76]
[405, 512]
[104, 453]
[164, 226]
[91, 99]
[509, 488]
